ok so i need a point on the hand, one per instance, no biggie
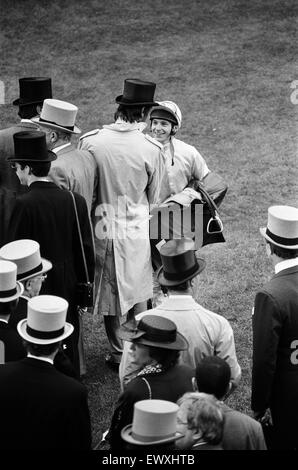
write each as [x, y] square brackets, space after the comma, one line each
[264, 417]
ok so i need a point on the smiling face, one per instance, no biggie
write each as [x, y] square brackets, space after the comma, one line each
[161, 130]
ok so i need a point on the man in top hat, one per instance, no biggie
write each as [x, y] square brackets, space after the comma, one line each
[275, 331]
[31, 272]
[47, 214]
[33, 90]
[75, 170]
[206, 332]
[11, 347]
[130, 170]
[42, 409]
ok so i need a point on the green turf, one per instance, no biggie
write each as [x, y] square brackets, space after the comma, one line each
[229, 66]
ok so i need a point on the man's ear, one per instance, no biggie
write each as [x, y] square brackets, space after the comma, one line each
[194, 384]
[38, 109]
[28, 285]
[174, 129]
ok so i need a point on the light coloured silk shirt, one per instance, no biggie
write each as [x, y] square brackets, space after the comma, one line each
[183, 162]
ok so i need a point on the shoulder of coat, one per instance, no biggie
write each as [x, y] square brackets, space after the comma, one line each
[153, 141]
[88, 134]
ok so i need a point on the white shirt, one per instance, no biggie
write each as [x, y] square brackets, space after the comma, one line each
[287, 263]
[44, 359]
[60, 147]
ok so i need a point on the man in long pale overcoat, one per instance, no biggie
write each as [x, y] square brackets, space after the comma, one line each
[130, 168]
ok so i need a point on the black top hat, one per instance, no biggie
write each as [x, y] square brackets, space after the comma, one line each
[137, 93]
[31, 147]
[33, 90]
[179, 262]
[154, 330]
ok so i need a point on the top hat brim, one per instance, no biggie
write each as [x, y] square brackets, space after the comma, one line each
[75, 130]
[180, 343]
[51, 156]
[19, 102]
[287, 247]
[172, 283]
[121, 100]
[20, 290]
[68, 329]
[126, 434]
[46, 266]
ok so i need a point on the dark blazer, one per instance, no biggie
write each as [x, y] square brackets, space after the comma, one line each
[19, 314]
[169, 385]
[10, 344]
[46, 214]
[7, 201]
[8, 178]
[275, 354]
[42, 409]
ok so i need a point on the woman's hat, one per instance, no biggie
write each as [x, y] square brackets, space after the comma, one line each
[10, 288]
[154, 422]
[45, 322]
[33, 90]
[31, 146]
[169, 111]
[282, 227]
[58, 115]
[26, 255]
[179, 262]
[154, 330]
[137, 93]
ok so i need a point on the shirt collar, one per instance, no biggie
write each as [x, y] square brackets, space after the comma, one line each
[57, 149]
[4, 321]
[178, 302]
[44, 359]
[287, 263]
[27, 120]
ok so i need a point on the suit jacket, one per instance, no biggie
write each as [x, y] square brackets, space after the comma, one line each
[11, 345]
[169, 385]
[75, 170]
[46, 214]
[7, 201]
[8, 178]
[275, 354]
[19, 314]
[42, 409]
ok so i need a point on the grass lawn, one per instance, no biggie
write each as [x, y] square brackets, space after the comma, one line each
[229, 65]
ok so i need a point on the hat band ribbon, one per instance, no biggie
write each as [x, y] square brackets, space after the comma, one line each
[8, 293]
[29, 273]
[282, 240]
[44, 334]
[71, 128]
[164, 336]
[139, 437]
[180, 275]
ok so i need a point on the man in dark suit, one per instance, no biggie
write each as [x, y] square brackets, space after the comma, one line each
[47, 214]
[11, 347]
[33, 90]
[40, 408]
[275, 332]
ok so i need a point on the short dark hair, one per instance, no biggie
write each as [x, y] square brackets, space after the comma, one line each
[28, 111]
[38, 168]
[213, 375]
[7, 308]
[41, 349]
[284, 253]
[166, 357]
[131, 113]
